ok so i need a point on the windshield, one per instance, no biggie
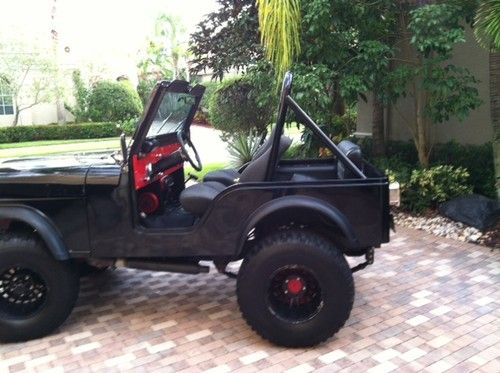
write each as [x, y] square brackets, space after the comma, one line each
[172, 113]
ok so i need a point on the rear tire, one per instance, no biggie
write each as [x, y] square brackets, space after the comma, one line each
[295, 289]
[37, 292]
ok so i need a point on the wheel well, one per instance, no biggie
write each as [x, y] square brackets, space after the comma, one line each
[13, 226]
[296, 218]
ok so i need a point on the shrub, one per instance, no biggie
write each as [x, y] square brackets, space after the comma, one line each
[113, 101]
[234, 109]
[58, 132]
[396, 169]
[128, 126]
[434, 185]
[477, 159]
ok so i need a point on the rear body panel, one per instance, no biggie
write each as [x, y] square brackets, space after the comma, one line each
[114, 231]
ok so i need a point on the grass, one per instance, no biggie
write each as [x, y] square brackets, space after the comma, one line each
[39, 148]
[206, 169]
[30, 144]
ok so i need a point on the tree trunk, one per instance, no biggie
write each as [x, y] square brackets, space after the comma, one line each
[495, 112]
[423, 124]
[378, 130]
[16, 114]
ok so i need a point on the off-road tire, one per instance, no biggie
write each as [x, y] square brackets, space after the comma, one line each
[288, 249]
[61, 286]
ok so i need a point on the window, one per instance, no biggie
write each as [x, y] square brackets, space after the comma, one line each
[6, 102]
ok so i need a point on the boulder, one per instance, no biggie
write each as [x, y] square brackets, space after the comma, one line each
[474, 210]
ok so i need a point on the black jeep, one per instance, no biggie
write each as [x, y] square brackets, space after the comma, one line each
[291, 221]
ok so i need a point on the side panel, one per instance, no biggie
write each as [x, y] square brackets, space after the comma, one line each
[219, 232]
[62, 223]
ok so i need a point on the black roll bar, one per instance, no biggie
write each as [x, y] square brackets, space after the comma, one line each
[287, 101]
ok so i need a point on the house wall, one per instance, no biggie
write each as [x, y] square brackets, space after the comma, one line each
[476, 129]
[45, 113]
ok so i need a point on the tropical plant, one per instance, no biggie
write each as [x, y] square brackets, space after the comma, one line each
[279, 23]
[166, 53]
[242, 147]
[487, 24]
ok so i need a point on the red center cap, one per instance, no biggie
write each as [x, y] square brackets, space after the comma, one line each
[295, 285]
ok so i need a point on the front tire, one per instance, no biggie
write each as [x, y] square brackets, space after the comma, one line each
[295, 289]
[37, 292]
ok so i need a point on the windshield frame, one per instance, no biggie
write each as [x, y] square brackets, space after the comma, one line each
[151, 109]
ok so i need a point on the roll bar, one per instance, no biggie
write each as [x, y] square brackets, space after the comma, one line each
[286, 102]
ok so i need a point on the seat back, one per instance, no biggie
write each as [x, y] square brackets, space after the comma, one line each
[353, 152]
[256, 169]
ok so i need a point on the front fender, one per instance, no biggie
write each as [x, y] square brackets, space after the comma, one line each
[39, 222]
[327, 211]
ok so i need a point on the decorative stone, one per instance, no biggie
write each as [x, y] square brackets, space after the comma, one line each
[474, 210]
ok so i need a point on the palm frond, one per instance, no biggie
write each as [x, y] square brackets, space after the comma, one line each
[279, 23]
[242, 147]
[487, 24]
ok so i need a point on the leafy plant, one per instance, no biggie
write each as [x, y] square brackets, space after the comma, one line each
[234, 108]
[144, 88]
[81, 93]
[242, 147]
[428, 187]
[113, 101]
[227, 39]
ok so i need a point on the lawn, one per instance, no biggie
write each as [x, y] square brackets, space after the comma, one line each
[38, 148]
[206, 169]
[54, 147]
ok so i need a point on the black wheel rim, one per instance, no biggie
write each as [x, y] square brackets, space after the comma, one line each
[22, 292]
[294, 294]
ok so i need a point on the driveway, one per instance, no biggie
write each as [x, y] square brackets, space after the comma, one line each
[426, 304]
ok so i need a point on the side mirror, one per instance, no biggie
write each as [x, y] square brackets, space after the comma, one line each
[123, 145]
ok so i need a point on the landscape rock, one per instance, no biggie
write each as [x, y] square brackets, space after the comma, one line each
[474, 210]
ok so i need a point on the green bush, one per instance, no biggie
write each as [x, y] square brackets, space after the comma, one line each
[58, 132]
[477, 159]
[428, 187]
[233, 108]
[113, 101]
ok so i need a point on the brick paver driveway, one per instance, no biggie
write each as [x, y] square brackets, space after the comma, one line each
[426, 303]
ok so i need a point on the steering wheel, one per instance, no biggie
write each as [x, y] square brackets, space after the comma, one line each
[186, 147]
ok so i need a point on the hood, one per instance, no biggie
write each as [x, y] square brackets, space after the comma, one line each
[49, 176]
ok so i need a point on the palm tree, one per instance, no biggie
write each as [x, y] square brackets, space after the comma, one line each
[487, 30]
[170, 32]
[279, 22]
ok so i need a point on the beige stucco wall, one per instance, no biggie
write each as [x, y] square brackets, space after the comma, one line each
[45, 113]
[476, 129]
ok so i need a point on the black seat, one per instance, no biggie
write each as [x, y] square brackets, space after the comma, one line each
[353, 152]
[197, 198]
[229, 176]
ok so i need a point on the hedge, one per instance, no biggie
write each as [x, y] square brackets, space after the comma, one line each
[59, 132]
